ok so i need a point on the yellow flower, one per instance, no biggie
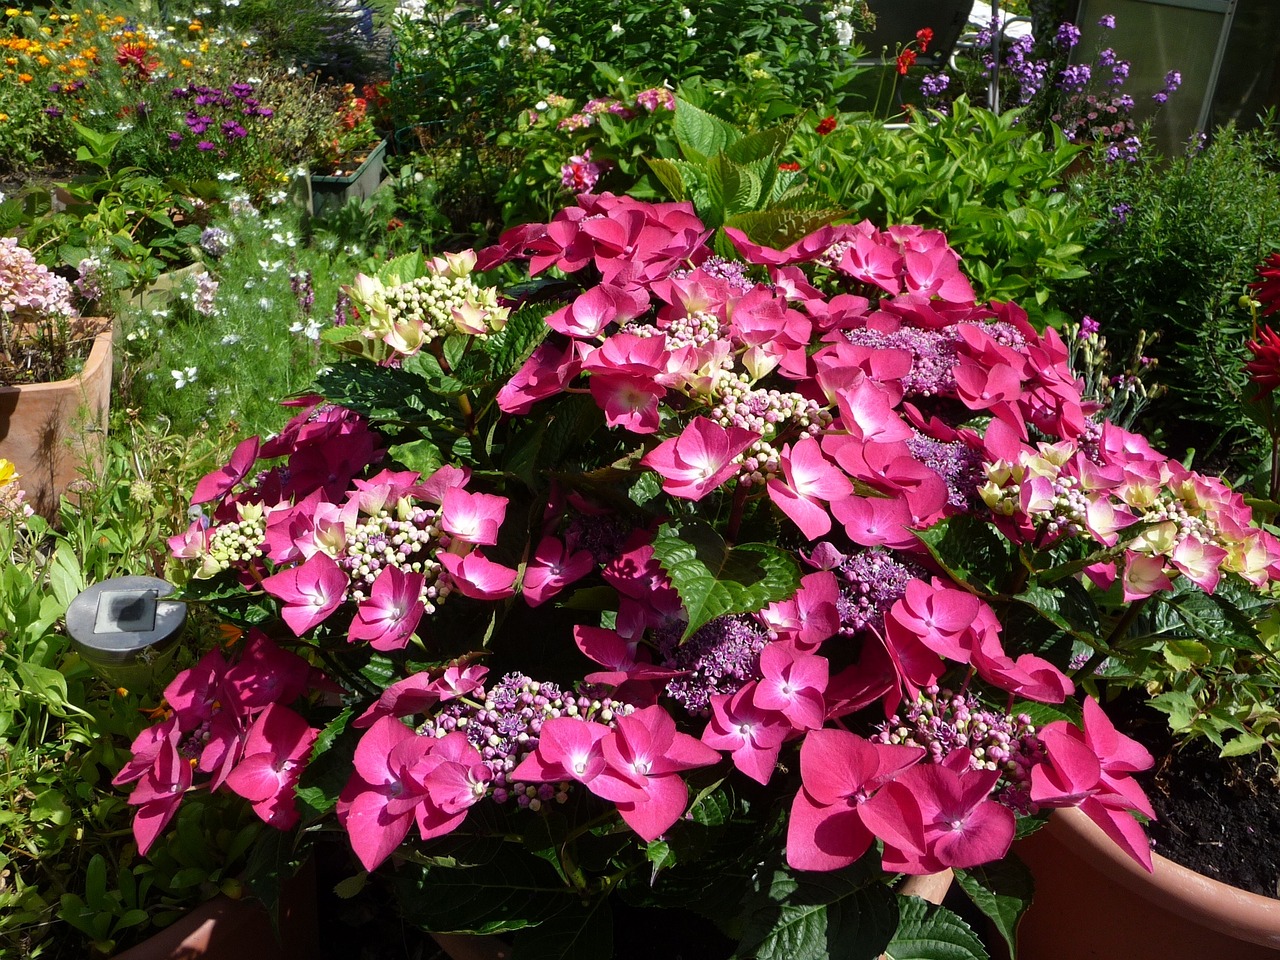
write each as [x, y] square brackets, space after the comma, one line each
[8, 473]
[186, 63]
[4, 118]
[13, 12]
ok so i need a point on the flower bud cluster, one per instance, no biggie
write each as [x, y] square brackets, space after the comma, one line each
[720, 657]
[766, 412]
[408, 540]
[870, 583]
[505, 726]
[236, 542]
[940, 722]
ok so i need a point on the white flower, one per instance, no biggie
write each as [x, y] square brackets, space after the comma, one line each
[311, 330]
[277, 198]
[183, 377]
[543, 43]
[231, 3]
[685, 13]
[124, 126]
[616, 29]
[540, 105]
[230, 340]
[228, 176]
[690, 31]
[503, 42]
[266, 303]
[417, 178]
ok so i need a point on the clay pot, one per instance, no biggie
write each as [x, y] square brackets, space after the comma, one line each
[50, 430]
[226, 929]
[1093, 901]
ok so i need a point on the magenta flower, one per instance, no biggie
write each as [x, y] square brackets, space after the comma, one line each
[310, 591]
[275, 753]
[628, 402]
[840, 772]
[378, 803]
[793, 684]
[949, 809]
[552, 568]
[752, 736]
[158, 794]
[646, 747]
[472, 517]
[570, 749]
[478, 577]
[1091, 768]
[223, 480]
[264, 675]
[700, 459]
[387, 619]
[810, 480]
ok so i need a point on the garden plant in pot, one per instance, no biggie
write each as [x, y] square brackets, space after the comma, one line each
[55, 376]
[648, 577]
[1199, 690]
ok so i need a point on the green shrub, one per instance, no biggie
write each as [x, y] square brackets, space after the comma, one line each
[994, 188]
[1173, 245]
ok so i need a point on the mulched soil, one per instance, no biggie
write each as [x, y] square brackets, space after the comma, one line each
[1219, 817]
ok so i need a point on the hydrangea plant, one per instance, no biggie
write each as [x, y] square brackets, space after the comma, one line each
[655, 566]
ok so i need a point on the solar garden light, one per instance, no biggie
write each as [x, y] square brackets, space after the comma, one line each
[125, 630]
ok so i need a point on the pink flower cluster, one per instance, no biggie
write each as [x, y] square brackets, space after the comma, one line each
[29, 292]
[231, 723]
[579, 174]
[395, 545]
[648, 101]
[848, 388]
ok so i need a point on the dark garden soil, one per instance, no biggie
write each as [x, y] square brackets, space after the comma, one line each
[1219, 817]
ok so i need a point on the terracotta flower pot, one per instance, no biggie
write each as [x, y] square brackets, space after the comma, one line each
[50, 430]
[1093, 901]
[226, 929]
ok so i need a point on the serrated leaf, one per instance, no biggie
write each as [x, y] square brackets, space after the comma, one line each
[420, 455]
[646, 486]
[1184, 654]
[506, 893]
[714, 579]
[927, 931]
[700, 134]
[351, 886]
[969, 550]
[1002, 891]
[332, 730]
[1245, 743]
[779, 228]
[817, 916]
[511, 346]
[669, 175]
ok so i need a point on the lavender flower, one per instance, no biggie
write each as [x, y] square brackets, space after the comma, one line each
[88, 281]
[506, 725]
[215, 241]
[1107, 21]
[206, 292]
[720, 657]
[303, 291]
[1075, 77]
[870, 583]
[941, 722]
[933, 85]
[1068, 36]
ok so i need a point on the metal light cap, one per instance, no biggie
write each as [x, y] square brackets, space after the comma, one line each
[115, 622]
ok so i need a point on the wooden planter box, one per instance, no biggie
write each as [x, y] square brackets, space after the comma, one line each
[330, 193]
[49, 431]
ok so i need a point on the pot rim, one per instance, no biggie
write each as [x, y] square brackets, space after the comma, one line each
[99, 355]
[1218, 906]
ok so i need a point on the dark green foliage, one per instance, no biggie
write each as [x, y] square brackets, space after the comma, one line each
[1173, 245]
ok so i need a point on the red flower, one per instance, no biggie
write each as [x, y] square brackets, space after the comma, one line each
[825, 125]
[792, 167]
[905, 59]
[1267, 289]
[1264, 368]
[925, 36]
